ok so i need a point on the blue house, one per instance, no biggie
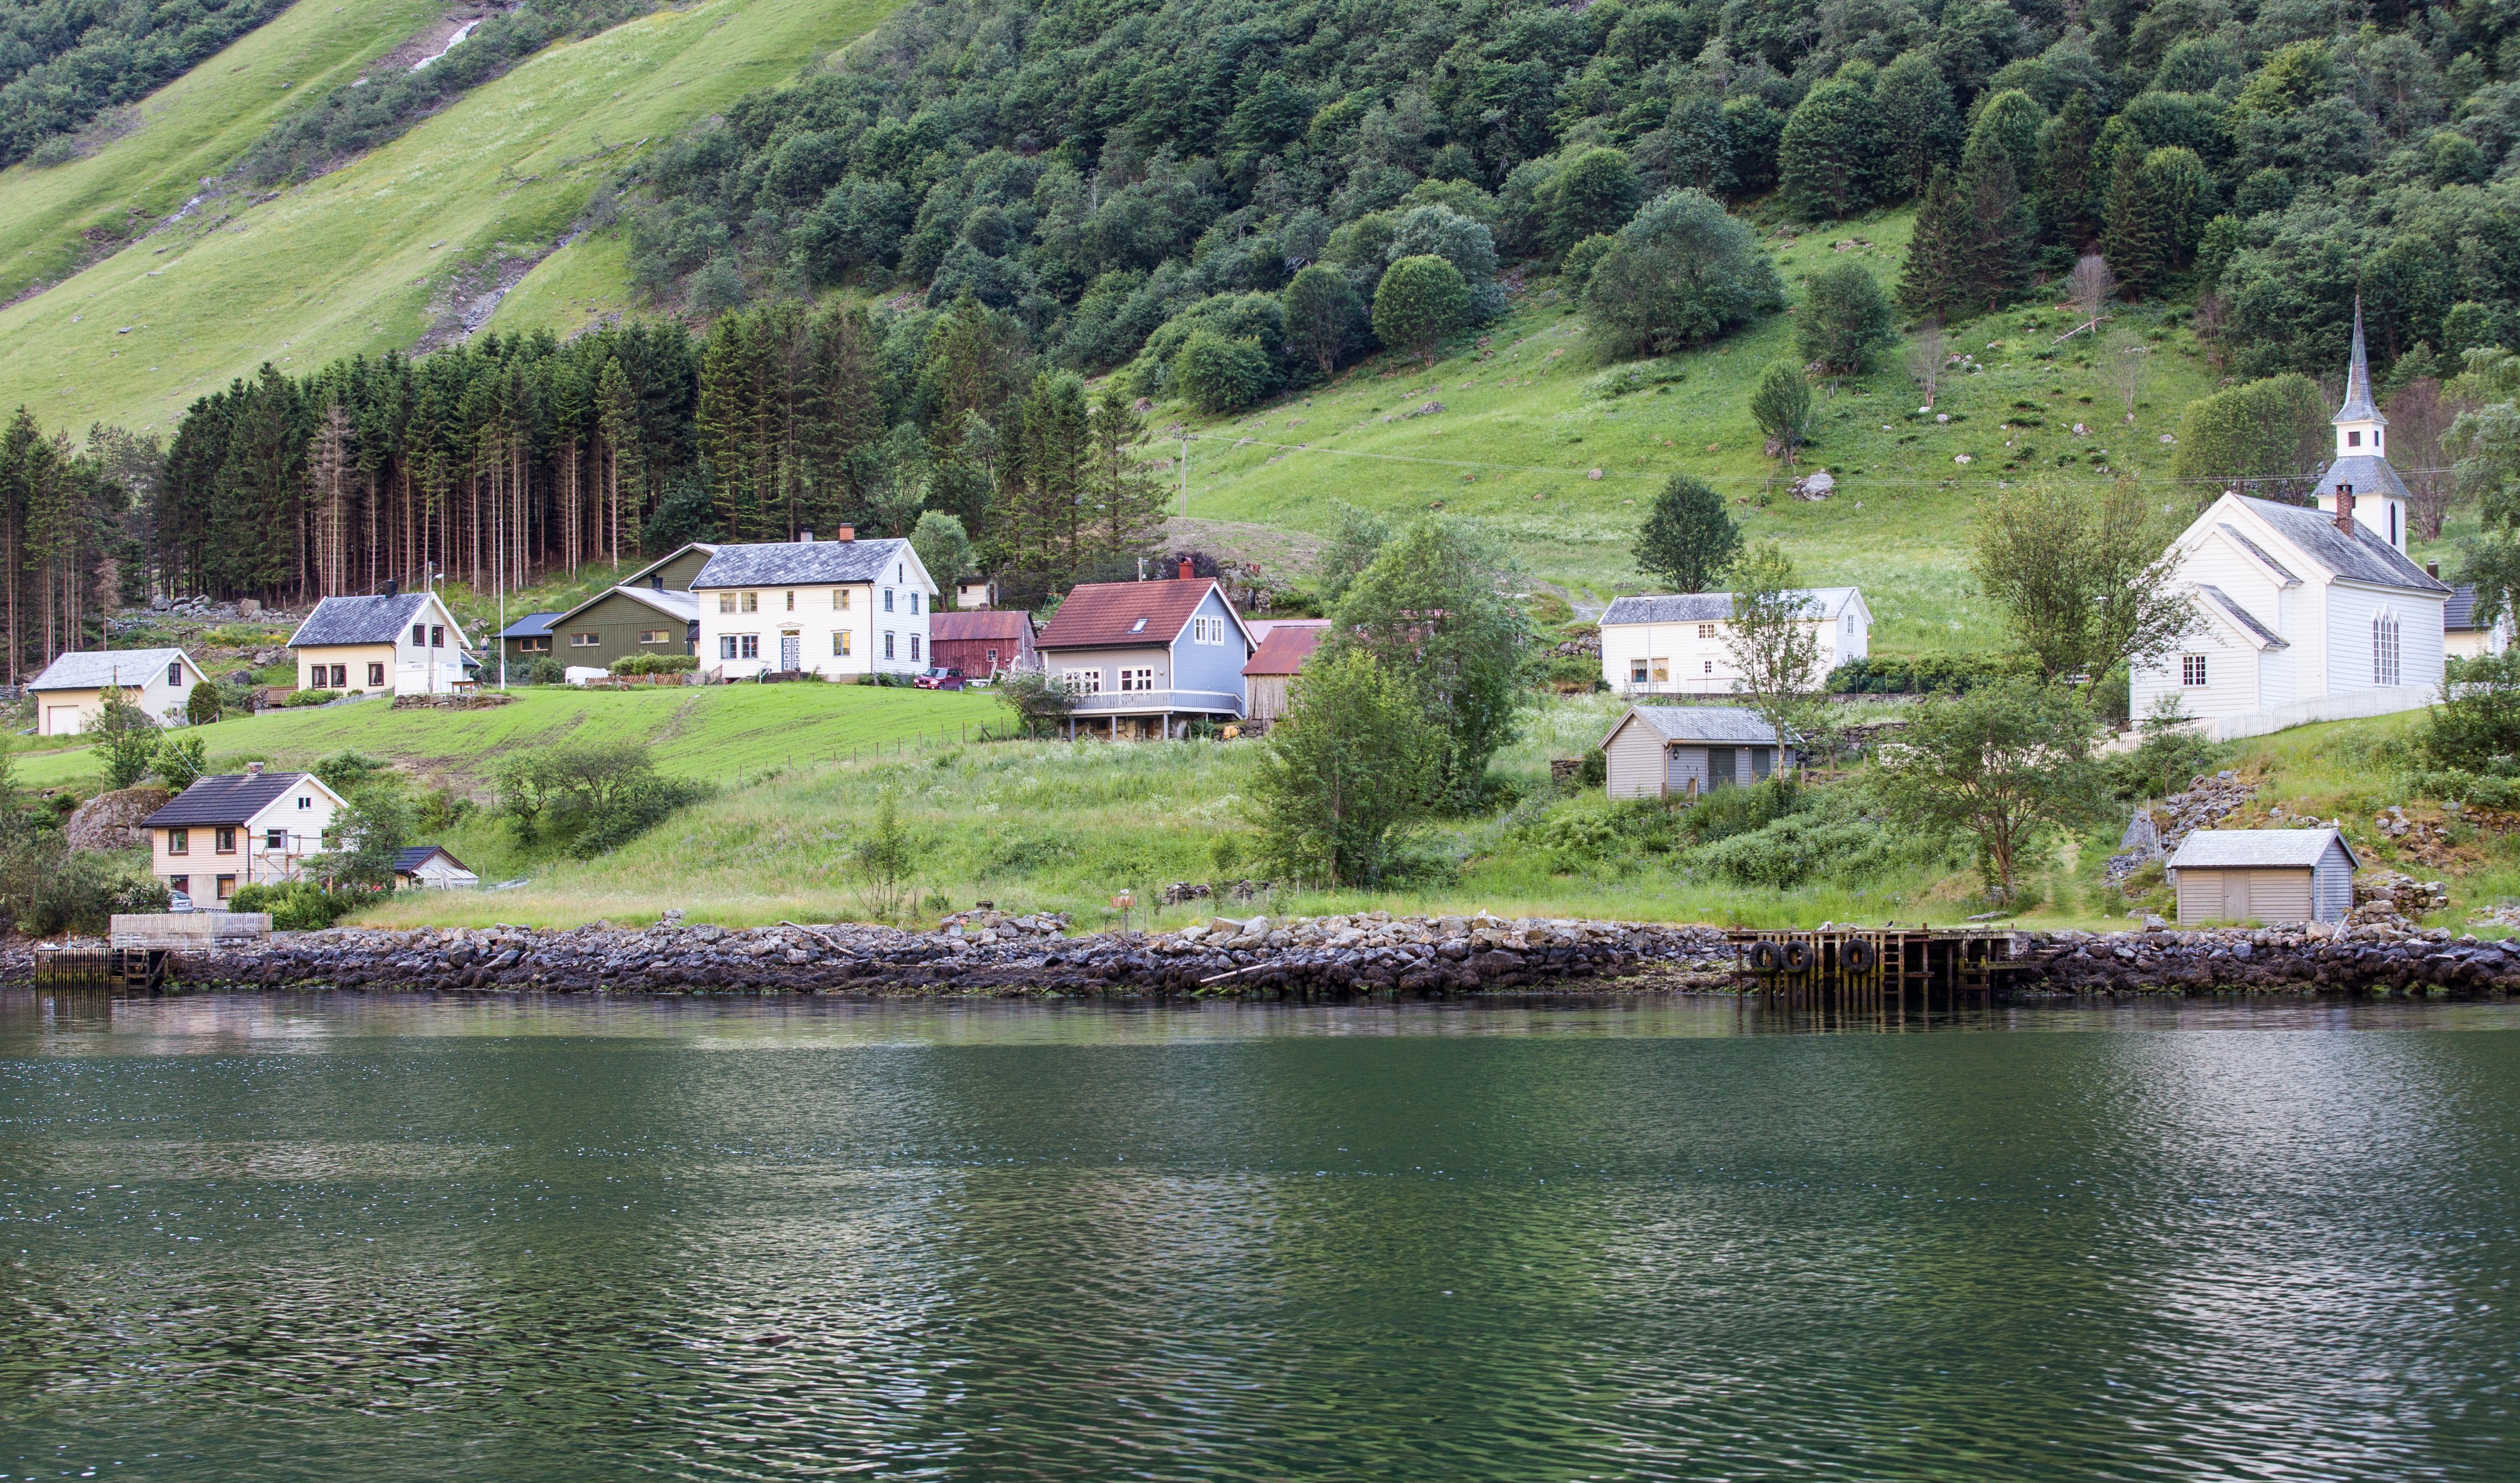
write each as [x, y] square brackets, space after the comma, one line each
[1144, 659]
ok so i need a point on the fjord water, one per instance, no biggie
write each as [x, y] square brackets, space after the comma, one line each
[391, 1238]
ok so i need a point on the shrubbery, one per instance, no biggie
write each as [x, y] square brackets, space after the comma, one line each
[301, 906]
[1925, 674]
[589, 799]
[656, 664]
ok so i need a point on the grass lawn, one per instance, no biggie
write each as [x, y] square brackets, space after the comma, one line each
[725, 733]
[363, 259]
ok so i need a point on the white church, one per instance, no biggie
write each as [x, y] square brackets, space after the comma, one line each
[2306, 614]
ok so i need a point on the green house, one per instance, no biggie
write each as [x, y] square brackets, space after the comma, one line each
[651, 611]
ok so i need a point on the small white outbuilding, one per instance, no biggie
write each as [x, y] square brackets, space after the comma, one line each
[2264, 874]
[1677, 751]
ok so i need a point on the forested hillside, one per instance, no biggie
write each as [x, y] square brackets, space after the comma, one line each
[63, 61]
[900, 270]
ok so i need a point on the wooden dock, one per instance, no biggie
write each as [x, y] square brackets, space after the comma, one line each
[146, 969]
[1886, 974]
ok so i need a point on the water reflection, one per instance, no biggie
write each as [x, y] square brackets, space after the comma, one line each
[400, 1238]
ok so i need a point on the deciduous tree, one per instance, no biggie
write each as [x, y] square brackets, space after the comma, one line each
[1689, 539]
[2004, 764]
[1352, 763]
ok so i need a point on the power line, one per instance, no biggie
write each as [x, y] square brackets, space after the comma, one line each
[1731, 478]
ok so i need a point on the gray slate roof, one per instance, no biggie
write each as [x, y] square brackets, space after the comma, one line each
[2357, 406]
[533, 625]
[2210, 847]
[1709, 607]
[358, 620]
[405, 860]
[94, 669]
[800, 563]
[2364, 559]
[2459, 613]
[2258, 551]
[2222, 603]
[1707, 723]
[2368, 474]
[230, 798]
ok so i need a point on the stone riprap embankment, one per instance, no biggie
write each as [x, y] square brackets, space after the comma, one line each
[2384, 956]
[992, 954]
[998, 955]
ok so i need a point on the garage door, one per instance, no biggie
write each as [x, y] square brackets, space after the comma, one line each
[61, 720]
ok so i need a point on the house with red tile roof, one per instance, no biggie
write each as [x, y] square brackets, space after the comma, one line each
[1143, 661]
[1288, 642]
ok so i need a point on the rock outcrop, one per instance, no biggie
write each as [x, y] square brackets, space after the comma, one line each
[111, 821]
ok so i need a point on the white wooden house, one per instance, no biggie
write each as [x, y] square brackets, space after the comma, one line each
[254, 827]
[70, 691]
[839, 608]
[403, 644]
[1675, 645]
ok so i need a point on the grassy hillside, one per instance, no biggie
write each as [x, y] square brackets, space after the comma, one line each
[370, 257]
[192, 127]
[721, 733]
[1526, 420]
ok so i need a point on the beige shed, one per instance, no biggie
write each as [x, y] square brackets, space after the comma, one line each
[1673, 751]
[2264, 874]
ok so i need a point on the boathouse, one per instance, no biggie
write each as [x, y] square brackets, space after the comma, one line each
[1673, 751]
[2264, 874]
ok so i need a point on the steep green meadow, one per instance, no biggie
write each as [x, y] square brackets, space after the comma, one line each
[370, 258]
[191, 128]
[1526, 420]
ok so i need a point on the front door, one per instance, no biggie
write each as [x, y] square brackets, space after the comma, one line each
[1719, 767]
[790, 652]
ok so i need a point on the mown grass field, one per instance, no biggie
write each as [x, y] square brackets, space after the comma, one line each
[723, 734]
[354, 261]
[192, 127]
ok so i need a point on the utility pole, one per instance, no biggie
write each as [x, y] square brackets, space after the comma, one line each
[1185, 471]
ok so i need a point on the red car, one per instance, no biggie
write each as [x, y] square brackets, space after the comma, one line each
[939, 679]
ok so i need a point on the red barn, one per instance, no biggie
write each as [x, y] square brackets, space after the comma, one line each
[981, 644]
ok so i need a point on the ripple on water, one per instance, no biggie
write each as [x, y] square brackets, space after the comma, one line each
[335, 1236]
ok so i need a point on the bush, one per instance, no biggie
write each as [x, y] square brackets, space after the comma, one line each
[1681, 273]
[301, 906]
[302, 698]
[1924, 674]
[1421, 302]
[46, 887]
[545, 672]
[1582, 258]
[180, 760]
[590, 800]
[2160, 765]
[1214, 374]
[203, 704]
[656, 664]
[1845, 318]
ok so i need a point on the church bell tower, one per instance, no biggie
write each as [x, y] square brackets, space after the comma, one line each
[2361, 461]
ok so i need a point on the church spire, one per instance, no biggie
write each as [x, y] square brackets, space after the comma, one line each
[2357, 406]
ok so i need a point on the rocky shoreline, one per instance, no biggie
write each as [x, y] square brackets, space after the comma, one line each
[1009, 956]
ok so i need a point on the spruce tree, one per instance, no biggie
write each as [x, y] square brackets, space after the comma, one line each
[1831, 160]
[1933, 284]
[2065, 185]
[1917, 119]
[2002, 230]
[2130, 225]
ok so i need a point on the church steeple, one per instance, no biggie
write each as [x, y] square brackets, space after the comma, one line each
[2359, 423]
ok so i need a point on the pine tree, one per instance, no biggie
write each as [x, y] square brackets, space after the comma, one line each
[1125, 498]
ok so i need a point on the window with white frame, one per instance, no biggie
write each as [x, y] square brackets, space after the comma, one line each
[2191, 669]
[1082, 682]
[726, 601]
[1706, 630]
[791, 602]
[1710, 667]
[887, 643]
[726, 645]
[1636, 671]
[585, 639]
[914, 648]
[2384, 648]
[914, 602]
[1207, 630]
[748, 602]
[1137, 679]
[839, 600]
[887, 600]
[749, 645]
[840, 643]
[654, 636]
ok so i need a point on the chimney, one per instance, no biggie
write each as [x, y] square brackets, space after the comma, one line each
[1188, 574]
[845, 533]
[254, 769]
[393, 589]
[804, 538]
[2432, 569]
[2345, 511]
